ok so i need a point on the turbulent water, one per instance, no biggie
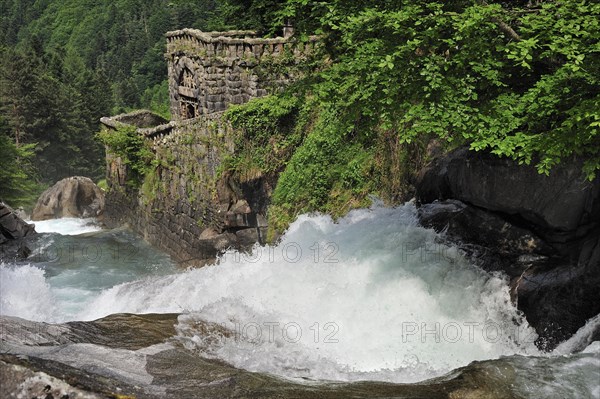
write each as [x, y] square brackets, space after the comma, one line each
[371, 297]
[73, 261]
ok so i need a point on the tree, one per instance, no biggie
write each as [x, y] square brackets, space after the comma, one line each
[518, 79]
[49, 111]
[17, 183]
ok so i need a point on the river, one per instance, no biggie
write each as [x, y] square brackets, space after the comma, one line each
[371, 297]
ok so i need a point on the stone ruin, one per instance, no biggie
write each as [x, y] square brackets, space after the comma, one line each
[210, 70]
[186, 207]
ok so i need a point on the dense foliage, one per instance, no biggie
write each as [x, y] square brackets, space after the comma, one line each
[47, 103]
[520, 79]
[122, 39]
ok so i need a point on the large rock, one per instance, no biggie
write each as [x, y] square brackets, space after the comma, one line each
[493, 241]
[13, 231]
[561, 206]
[542, 231]
[559, 298]
[128, 355]
[71, 197]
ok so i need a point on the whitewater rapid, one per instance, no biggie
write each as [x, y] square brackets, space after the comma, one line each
[72, 262]
[373, 296]
[66, 226]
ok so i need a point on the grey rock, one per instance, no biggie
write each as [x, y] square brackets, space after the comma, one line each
[498, 244]
[542, 231]
[71, 197]
[564, 201]
[13, 234]
[85, 359]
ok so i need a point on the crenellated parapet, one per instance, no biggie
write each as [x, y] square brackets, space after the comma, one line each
[210, 70]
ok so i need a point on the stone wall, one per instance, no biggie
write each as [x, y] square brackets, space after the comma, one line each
[210, 70]
[186, 205]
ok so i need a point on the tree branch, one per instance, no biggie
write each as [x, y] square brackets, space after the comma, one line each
[503, 26]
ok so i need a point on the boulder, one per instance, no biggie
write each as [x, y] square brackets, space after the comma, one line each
[560, 207]
[12, 227]
[13, 231]
[493, 241]
[542, 231]
[559, 298]
[71, 197]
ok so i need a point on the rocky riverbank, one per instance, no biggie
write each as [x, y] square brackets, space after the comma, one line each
[542, 231]
[14, 233]
[127, 355]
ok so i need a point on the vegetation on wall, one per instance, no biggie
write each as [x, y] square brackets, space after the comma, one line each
[265, 135]
[133, 149]
[313, 161]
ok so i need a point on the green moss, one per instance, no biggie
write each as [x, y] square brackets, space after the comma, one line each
[150, 186]
[133, 149]
[103, 184]
[318, 161]
[264, 135]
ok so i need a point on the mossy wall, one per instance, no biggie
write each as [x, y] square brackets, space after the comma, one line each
[185, 204]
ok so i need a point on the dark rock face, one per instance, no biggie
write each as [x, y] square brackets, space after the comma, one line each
[13, 231]
[71, 197]
[543, 231]
[563, 202]
[495, 242]
[559, 298]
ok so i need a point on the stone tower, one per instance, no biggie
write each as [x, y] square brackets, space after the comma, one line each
[209, 70]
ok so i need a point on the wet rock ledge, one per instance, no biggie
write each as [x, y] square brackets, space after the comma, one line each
[133, 356]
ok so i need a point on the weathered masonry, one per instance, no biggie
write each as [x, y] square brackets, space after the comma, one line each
[209, 70]
[188, 205]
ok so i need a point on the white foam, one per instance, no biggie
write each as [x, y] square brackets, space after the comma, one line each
[593, 348]
[67, 226]
[574, 376]
[581, 339]
[25, 293]
[371, 297]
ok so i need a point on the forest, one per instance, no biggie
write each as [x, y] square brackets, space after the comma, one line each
[520, 79]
